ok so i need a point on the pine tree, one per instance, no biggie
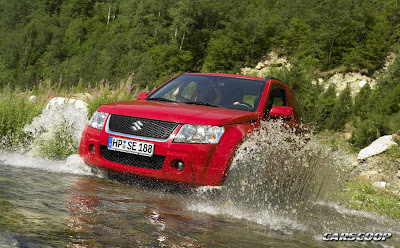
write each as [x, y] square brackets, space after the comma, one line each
[341, 111]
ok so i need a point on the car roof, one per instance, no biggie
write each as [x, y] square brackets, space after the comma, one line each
[225, 75]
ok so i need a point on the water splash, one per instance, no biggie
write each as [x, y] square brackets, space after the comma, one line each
[274, 173]
[43, 127]
[275, 164]
[72, 165]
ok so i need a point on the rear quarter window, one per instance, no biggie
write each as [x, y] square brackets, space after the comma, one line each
[298, 106]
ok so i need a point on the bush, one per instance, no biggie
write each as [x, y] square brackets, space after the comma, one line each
[16, 110]
[366, 132]
[61, 144]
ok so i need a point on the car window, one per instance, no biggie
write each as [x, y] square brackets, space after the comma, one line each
[299, 109]
[277, 97]
[220, 91]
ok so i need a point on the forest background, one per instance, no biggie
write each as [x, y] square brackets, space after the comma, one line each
[70, 43]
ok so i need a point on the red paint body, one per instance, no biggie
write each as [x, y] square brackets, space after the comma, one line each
[205, 164]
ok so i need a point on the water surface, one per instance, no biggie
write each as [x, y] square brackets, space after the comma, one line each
[46, 203]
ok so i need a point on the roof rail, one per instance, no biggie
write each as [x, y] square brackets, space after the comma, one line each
[269, 77]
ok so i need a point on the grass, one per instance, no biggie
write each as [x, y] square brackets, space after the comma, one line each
[393, 153]
[363, 196]
[16, 110]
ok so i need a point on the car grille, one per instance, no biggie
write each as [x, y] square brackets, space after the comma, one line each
[155, 162]
[147, 128]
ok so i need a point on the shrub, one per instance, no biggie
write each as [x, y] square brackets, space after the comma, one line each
[366, 132]
[61, 144]
[16, 110]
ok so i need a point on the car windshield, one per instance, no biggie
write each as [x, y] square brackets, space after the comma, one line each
[214, 91]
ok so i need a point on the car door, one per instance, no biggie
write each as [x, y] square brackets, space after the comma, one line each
[282, 95]
[277, 96]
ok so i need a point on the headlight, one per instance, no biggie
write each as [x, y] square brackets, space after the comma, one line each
[199, 134]
[98, 119]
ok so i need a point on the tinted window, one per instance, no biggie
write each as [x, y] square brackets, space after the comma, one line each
[277, 97]
[221, 91]
[298, 108]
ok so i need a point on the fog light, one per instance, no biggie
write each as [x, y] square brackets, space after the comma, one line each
[178, 165]
[92, 149]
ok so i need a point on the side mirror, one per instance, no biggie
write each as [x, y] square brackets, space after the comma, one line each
[142, 95]
[281, 112]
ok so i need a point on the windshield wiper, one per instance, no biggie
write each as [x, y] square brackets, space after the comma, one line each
[160, 99]
[202, 103]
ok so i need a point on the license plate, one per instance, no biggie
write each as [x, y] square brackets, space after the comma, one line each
[131, 146]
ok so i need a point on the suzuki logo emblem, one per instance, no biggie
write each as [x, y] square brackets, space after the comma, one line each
[137, 125]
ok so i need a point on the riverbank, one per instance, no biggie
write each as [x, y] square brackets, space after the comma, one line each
[372, 184]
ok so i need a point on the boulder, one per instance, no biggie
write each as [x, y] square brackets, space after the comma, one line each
[378, 146]
[59, 101]
[396, 137]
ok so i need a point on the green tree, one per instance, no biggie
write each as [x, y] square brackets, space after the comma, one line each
[326, 103]
[361, 108]
[391, 103]
[341, 110]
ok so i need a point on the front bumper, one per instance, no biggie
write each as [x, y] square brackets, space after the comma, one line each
[204, 164]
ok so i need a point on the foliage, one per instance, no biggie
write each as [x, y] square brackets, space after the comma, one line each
[16, 110]
[378, 108]
[366, 132]
[97, 39]
[326, 103]
[104, 93]
[361, 109]
[62, 143]
[341, 111]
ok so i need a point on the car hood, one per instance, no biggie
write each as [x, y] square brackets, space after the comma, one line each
[180, 112]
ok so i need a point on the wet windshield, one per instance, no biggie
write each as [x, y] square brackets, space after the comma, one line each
[215, 91]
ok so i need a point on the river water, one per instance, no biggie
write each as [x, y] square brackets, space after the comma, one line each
[47, 203]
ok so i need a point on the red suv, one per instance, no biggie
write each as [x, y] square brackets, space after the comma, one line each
[188, 129]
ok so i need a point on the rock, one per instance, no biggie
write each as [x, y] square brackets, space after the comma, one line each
[362, 83]
[263, 68]
[355, 80]
[260, 65]
[371, 175]
[381, 184]
[61, 114]
[396, 137]
[355, 164]
[59, 101]
[378, 146]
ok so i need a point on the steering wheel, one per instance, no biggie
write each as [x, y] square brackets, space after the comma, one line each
[242, 106]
